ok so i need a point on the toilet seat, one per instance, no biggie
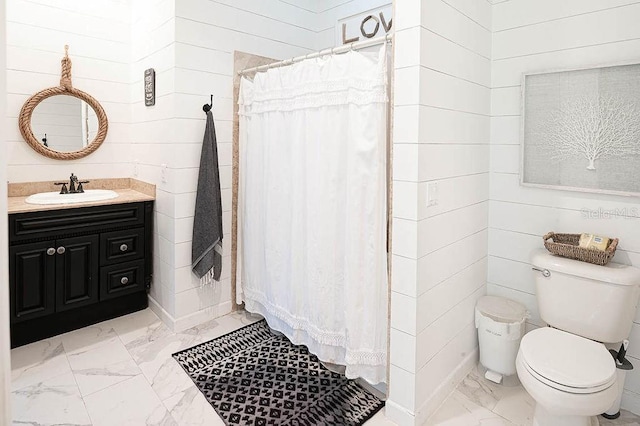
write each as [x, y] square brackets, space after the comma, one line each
[567, 362]
[568, 389]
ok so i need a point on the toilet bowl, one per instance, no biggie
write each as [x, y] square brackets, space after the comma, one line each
[570, 377]
[566, 369]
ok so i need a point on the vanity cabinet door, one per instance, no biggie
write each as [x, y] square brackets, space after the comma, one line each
[32, 280]
[77, 272]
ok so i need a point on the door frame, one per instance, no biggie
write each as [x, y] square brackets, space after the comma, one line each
[5, 355]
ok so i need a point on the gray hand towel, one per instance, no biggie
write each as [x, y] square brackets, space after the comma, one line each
[206, 259]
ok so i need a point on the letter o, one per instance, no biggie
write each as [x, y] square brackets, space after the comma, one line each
[375, 30]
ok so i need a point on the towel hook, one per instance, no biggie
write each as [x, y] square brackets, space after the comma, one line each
[207, 107]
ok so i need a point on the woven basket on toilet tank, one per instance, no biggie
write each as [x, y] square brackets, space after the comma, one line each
[566, 245]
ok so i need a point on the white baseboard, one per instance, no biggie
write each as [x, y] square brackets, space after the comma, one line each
[202, 316]
[403, 417]
[164, 316]
[191, 320]
[398, 414]
[630, 402]
[446, 388]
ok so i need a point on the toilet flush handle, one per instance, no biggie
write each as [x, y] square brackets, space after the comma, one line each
[545, 272]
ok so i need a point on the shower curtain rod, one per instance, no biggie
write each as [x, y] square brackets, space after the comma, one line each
[341, 49]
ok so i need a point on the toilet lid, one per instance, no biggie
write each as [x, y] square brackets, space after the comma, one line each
[566, 361]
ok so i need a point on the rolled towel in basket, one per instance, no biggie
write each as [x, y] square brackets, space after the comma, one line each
[595, 242]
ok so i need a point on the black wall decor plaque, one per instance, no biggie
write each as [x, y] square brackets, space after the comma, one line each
[150, 87]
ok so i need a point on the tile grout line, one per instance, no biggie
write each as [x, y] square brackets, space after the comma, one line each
[40, 363]
[141, 373]
[75, 380]
[162, 401]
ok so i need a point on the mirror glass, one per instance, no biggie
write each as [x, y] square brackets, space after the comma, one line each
[64, 123]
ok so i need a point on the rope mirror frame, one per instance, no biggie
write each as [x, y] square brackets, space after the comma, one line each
[65, 88]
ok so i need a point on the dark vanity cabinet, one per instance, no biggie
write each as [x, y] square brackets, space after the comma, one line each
[52, 276]
[74, 267]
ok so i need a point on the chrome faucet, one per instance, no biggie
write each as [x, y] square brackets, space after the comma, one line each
[75, 186]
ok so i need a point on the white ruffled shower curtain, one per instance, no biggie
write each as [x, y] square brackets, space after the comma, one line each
[312, 214]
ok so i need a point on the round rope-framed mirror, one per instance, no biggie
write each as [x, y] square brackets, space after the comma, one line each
[76, 121]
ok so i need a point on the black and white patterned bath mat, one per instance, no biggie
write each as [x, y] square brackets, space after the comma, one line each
[253, 377]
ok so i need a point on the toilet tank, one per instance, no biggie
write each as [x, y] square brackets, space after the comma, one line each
[596, 302]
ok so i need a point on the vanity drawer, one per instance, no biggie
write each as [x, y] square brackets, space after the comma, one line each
[121, 246]
[123, 278]
[52, 223]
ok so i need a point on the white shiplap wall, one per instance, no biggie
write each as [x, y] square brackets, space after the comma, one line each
[5, 358]
[441, 137]
[206, 34]
[153, 134]
[544, 35]
[190, 45]
[98, 34]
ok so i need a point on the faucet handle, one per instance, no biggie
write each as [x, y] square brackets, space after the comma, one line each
[80, 188]
[64, 189]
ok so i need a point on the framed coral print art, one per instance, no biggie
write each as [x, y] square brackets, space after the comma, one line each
[580, 130]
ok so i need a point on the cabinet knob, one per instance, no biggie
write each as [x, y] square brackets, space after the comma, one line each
[124, 280]
[124, 247]
[61, 250]
[51, 251]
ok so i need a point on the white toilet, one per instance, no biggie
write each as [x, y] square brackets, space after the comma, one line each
[564, 367]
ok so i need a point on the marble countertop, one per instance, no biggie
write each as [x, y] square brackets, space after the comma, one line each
[128, 190]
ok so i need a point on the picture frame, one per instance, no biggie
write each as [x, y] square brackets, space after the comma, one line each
[580, 129]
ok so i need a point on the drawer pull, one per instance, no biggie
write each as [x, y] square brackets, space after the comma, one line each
[124, 247]
[51, 251]
[124, 280]
[61, 250]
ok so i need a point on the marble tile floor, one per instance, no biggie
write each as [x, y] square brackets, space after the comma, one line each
[479, 402]
[118, 372]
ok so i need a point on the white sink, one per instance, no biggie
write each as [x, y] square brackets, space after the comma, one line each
[82, 197]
